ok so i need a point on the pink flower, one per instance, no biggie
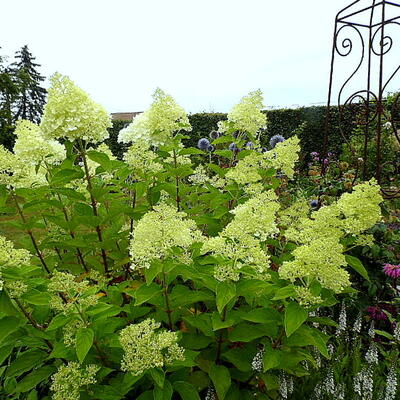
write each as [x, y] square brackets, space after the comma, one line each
[376, 313]
[392, 270]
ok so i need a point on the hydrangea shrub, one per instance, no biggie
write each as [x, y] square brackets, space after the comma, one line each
[176, 273]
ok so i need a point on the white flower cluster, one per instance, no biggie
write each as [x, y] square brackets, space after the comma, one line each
[32, 148]
[144, 348]
[157, 124]
[247, 115]
[158, 232]
[69, 379]
[70, 113]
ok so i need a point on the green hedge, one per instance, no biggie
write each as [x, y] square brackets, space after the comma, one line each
[283, 122]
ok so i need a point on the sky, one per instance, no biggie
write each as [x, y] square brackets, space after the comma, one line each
[207, 54]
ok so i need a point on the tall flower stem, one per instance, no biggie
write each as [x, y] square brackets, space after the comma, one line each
[94, 206]
[30, 233]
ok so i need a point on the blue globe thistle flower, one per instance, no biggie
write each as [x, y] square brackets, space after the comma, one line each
[210, 148]
[203, 144]
[215, 134]
[275, 140]
[250, 145]
[314, 203]
[233, 147]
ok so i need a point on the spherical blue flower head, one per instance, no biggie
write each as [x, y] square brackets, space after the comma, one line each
[314, 203]
[275, 140]
[215, 134]
[232, 147]
[210, 148]
[250, 145]
[203, 144]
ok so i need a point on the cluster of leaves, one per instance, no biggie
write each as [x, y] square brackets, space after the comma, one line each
[85, 319]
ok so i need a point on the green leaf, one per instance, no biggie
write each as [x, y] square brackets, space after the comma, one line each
[158, 376]
[284, 293]
[99, 158]
[37, 298]
[164, 393]
[358, 266]
[263, 316]
[225, 292]
[145, 293]
[8, 325]
[271, 358]
[5, 351]
[217, 322]
[34, 378]
[66, 175]
[247, 332]
[58, 321]
[84, 341]
[221, 379]
[295, 315]
[186, 390]
[190, 150]
[25, 362]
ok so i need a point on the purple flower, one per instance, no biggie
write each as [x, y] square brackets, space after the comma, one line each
[250, 145]
[203, 144]
[314, 203]
[392, 270]
[210, 148]
[275, 140]
[215, 134]
[314, 154]
[376, 313]
[233, 147]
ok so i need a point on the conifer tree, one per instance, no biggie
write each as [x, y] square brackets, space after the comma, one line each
[8, 95]
[31, 97]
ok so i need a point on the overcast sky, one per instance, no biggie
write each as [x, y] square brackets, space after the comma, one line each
[206, 54]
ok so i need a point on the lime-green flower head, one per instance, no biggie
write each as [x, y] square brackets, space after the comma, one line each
[11, 257]
[31, 147]
[246, 116]
[156, 125]
[145, 348]
[15, 173]
[69, 379]
[158, 232]
[361, 207]
[70, 113]
[284, 156]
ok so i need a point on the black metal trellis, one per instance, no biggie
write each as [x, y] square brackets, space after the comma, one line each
[369, 76]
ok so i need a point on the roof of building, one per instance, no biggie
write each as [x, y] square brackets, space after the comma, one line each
[125, 116]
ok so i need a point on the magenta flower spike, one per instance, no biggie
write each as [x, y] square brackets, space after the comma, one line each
[392, 270]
